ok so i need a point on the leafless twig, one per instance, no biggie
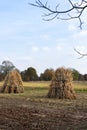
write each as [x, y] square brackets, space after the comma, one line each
[81, 54]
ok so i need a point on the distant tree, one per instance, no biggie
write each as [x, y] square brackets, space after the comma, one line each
[85, 77]
[75, 74]
[23, 75]
[30, 74]
[6, 67]
[81, 77]
[47, 75]
[41, 76]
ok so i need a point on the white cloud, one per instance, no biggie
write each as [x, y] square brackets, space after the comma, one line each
[24, 58]
[45, 37]
[82, 34]
[35, 48]
[2, 58]
[79, 39]
[18, 58]
[61, 41]
[46, 48]
[59, 48]
[72, 27]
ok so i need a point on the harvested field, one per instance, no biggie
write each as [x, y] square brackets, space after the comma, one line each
[33, 111]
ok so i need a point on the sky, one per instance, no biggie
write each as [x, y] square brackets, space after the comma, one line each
[28, 41]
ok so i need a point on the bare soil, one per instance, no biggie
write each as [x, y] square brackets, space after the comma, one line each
[18, 113]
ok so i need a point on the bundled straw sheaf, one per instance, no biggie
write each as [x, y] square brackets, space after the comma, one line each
[61, 85]
[12, 83]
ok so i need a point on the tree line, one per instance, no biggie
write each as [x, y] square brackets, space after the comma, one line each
[30, 74]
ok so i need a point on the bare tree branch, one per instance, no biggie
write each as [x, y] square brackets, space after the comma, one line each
[81, 54]
[75, 11]
[56, 13]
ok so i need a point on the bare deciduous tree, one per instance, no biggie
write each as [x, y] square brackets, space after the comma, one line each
[75, 11]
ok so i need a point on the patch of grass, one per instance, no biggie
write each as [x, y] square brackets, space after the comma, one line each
[36, 89]
[80, 86]
[35, 84]
[39, 89]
